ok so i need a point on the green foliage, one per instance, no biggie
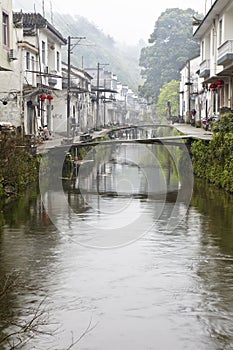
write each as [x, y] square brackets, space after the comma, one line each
[168, 93]
[172, 44]
[214, 161]
[18, 167]
[224, 124]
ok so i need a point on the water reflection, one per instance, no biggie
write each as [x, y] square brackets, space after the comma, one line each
[168, 289]
[215, 265]
[28, 244]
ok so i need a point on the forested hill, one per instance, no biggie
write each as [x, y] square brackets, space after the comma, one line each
[99, 47]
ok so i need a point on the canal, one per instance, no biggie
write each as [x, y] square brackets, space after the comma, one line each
[125, 256]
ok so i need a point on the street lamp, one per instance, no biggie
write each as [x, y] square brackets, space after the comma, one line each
[69, 49]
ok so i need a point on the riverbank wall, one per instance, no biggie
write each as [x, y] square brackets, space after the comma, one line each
[213, 159]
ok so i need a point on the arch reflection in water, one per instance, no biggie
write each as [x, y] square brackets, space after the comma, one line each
[130, 175]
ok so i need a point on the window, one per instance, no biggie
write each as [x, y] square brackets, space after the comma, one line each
[33, 69]
[27, 60]
[43, 51]
[213, 43]
[202, 50]
[33, 63]
[5, 29]
[58, 61]
[220, 32]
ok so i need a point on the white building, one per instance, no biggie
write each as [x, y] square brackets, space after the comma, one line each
[36, 74]
[215, 34]
[104, 85]
[81, 103]
[6, 35]
[191, 92]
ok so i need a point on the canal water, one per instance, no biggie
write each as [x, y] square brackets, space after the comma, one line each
[118, 259]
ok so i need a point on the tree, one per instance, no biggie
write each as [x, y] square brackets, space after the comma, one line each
[168, 100]
[172, 44]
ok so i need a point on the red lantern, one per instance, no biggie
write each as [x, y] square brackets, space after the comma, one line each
[220, 83]
[50, 97]
[213, 86]
[43, 97]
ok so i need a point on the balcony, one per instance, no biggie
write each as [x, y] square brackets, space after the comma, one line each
[52, 81]
[225, 53]
[205, 69]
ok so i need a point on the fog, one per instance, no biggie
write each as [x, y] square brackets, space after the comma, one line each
[126, 21]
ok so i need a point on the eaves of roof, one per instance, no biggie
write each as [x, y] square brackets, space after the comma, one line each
[35, 20]
[65, 68]
[207, 21]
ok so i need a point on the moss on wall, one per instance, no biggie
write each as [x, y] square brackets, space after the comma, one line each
[214, 161]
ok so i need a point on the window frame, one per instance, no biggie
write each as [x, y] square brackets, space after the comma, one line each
[5, 29]
[43, 52]
[220, 32]
[58, 61]
[27, 60]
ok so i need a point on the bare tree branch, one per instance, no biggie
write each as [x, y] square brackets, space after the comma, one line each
[86, 331]
[32, 324]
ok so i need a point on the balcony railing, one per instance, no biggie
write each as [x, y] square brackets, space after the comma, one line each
[205, 68]
[225, 53]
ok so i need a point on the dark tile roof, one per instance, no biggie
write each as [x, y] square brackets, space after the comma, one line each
[31, 21]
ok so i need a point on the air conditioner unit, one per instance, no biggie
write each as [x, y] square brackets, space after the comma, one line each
[12, 55]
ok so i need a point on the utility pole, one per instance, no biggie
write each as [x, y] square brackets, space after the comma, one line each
[70, 47]
[97, 95]
[104, 101]
[98, 91]
[68, 89]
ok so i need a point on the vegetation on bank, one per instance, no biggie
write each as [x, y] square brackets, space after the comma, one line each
[213, 161]
[168, 100]
[18, 167]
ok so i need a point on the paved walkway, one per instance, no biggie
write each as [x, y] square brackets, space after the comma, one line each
[198, 133]
[58, 140]
[55, 141]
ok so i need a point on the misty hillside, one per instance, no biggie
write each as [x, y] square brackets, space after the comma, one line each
[99, 47]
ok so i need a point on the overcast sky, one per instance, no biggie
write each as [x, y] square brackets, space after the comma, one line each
[127, 21]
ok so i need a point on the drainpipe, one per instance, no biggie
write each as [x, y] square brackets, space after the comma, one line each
[21, 99]
[216, 93]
